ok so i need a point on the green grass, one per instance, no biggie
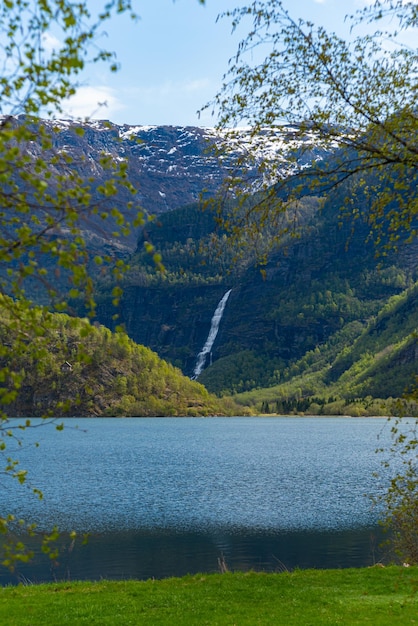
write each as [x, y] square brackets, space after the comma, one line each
[301, 598]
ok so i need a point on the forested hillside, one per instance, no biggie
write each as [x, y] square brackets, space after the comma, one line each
[73, 368]
[321, 289]
[361, 370]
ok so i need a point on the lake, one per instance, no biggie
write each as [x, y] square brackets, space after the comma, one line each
[170, 496]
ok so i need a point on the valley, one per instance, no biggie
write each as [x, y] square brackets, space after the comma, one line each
[307, 322]
[308, 297]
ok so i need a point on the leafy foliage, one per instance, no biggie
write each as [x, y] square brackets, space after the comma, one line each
[357, 95]
[42, 200]
[360, 95]
[401, 498]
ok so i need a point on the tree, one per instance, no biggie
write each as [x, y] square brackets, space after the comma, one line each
[356, 99]
[401, 497]
[353, 98]
[44, 202]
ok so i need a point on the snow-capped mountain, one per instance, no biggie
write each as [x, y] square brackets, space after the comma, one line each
[170, 166]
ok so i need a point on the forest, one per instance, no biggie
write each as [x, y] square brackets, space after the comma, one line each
[71, 367]
[325, 324]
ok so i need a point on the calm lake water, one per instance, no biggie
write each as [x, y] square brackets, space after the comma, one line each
[170, 496]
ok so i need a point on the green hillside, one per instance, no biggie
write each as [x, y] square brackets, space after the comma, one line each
[316, 293]
[68, 367]
[362, 370]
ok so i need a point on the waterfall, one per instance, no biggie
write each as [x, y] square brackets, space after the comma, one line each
[214, 327]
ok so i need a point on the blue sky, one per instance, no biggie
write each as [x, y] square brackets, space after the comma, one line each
[172, 60]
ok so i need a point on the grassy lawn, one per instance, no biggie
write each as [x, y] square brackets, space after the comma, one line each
[300, 598]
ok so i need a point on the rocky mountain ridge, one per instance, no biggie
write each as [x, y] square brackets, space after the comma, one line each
[170, 166]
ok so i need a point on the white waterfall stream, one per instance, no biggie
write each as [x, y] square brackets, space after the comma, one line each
[214, 327]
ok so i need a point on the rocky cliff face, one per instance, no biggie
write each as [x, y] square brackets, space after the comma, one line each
[170, 166]
[308, 291]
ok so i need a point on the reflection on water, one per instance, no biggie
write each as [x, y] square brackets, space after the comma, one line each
[170, 496]
[147, 554]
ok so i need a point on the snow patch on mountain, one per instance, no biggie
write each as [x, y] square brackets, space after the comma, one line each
[171, 166]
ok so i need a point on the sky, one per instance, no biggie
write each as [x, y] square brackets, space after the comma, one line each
[173, 58]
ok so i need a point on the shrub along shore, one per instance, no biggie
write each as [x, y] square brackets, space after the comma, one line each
[376, 595]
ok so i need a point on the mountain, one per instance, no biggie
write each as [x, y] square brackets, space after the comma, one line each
[321, 286]
[169, 166]
[325, 285]
[103, 176]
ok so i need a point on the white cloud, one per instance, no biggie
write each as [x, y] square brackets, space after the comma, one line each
[196, 85]
[50, 42]
[93, 102]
